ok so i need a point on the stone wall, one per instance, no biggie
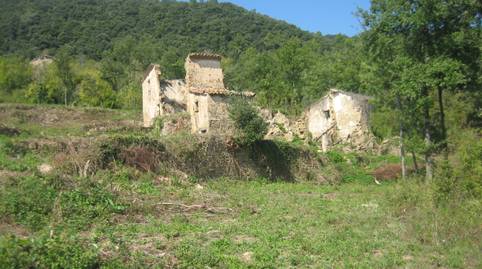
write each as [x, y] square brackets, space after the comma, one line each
[173, 96]
[209, 113]
[197, 107]
[219, 121]
[151, 102]
[340, 118]
[204, 73]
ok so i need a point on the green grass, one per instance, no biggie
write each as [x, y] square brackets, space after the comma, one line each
[283, 224]
[124, 218]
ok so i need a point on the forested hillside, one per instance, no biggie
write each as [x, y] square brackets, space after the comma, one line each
[93, 27]
[106, 45]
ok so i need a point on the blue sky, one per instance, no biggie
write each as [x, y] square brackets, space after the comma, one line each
[325, 16]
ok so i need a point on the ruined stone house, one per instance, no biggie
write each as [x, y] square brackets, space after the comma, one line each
[340, 118]
[202, 94]
[337, 118]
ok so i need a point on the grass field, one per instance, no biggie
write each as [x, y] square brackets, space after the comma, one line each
[122, 217]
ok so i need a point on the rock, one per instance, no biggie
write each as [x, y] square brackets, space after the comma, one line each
[45, 168]
[280, 119]
[266, 114]
[164, 179]
[299, 127]
[198, 187]
[247, 257]
[279, 127]
[50, 118]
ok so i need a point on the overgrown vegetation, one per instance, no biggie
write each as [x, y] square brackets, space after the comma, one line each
[132, 206]
[250, 127]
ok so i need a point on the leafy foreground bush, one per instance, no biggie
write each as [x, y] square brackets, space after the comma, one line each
[37, 202]
[45, 252]
[29, 201]
[249, 125]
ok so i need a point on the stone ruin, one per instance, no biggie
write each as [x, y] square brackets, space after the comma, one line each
[201, 94]
[339, 118]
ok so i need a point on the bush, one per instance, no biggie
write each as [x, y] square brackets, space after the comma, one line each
[15, 73]
[249, 125]
[28, 201]
[88, 202]
[45, 252]
[461, 179]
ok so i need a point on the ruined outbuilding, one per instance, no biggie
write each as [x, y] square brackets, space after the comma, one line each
[340, 118]
[202, 94]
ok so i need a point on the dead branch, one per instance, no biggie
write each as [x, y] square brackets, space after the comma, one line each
[188, 208]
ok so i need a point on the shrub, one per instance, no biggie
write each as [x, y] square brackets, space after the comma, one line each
[461, 179]
[96, 92]
[157, 127]
[87, 203]
[29, 201]
[250, 127]
[335, 157]
[126, 149]
[45, 252]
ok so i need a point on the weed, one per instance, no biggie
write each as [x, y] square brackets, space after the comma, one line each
[46, 252]
[29, 200]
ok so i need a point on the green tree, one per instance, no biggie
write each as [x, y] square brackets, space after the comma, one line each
[15, 73]
[249, 124]
[47, 87]
[429, 36]
[62, 61]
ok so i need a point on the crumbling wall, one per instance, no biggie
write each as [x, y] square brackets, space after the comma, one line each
[219, 121]
[204, 73]
[151, 102]
[352, 117]
[197, 107]
[173, 96]
[209, 113]
[321, 122]
[340, 118]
